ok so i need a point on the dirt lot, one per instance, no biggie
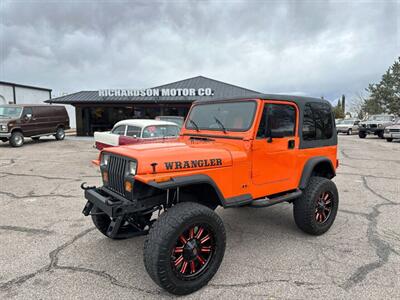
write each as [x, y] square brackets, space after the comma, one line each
[49, 250]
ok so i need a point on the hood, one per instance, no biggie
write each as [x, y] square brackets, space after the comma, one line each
[176, 156]
[343, 125]
[395, 126]
[6, 120]
[374, 122]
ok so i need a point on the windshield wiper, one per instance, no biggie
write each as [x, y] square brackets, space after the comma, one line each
[220, 124]
[194, 124]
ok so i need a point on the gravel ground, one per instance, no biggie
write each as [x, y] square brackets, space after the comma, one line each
[49, 250]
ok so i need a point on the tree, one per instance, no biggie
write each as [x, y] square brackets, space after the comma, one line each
[338, 111]
[384, 97]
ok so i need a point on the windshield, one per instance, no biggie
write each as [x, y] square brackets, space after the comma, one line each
[159, 131]
[223, 116]
[380, 118]
[10, 111]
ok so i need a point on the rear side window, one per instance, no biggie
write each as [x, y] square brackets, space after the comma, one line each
[133, 131]
[317, 122]
[119, 130]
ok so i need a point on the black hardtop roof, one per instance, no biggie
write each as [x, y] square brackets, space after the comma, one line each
[292, 98]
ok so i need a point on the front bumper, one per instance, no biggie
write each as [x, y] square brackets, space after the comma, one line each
[115, 205]
[391, 135]
[342, 130]
[5, 135]
[374, 130]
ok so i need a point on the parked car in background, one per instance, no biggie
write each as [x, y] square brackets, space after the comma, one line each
[174, 119]
[348, 126]
[392, 132]
[375, 124]
[18, 122]
[134, 131]
[338, 121]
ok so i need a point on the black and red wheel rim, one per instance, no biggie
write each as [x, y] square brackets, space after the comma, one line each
[323, 207]
[192, 252]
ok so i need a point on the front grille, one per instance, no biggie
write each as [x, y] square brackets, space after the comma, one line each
[116, 174]
[394, 130]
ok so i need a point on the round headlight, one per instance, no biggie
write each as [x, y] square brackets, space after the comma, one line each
[104, 159]
[132, 168]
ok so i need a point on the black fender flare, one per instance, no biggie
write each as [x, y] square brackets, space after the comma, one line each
[182, 181]
[309, 167]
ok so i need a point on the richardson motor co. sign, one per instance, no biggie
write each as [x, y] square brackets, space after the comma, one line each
[155, 92]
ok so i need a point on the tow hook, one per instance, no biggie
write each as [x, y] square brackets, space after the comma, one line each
[83, 187]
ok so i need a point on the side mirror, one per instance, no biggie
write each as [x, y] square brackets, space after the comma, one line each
[28, 117]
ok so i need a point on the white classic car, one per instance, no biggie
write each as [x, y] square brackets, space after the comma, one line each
[135, 131]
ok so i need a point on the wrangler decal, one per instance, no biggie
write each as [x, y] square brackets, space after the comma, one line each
[188, 164]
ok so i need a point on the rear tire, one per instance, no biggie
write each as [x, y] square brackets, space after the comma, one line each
[380, 134]
[389, 140]
[362, 135]
[185, 248]
[17, 139]
[315, 211]
[60, 134]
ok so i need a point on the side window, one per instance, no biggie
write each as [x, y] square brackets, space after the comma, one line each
[27, 111]
[317, 123]
[119, 130]
[278, 120]
[133, 131]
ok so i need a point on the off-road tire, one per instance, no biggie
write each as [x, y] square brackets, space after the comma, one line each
[389, 140]
[304, 208]
[362, 135]
[17, 139]
[349, 132]
[380, 134]
[4, 140]
[163, 236]
[60, 134]
[102, 221]
[35, 139]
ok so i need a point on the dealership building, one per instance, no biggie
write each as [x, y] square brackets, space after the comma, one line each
[100, 110]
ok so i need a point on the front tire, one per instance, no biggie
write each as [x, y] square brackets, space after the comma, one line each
[17, 139]
[362, 134]
[380, 134]
[349, 132]
[185, 248]
[389, 140]
[60, 134]
[315, 211]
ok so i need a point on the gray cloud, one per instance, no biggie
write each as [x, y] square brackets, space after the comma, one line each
[309, 47]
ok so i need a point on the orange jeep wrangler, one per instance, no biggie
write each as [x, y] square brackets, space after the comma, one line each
[253, 152]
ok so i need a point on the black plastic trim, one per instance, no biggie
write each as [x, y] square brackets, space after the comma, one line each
[309, 167]
[189, 180]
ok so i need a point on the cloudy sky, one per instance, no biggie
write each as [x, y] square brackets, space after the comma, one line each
[305, 47]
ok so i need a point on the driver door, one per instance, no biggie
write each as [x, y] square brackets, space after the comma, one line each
[275, 147]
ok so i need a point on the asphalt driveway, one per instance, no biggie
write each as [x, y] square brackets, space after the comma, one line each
[49, 250]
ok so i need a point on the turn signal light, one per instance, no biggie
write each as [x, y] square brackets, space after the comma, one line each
[162, 179]
[128, 186]
[105, 176]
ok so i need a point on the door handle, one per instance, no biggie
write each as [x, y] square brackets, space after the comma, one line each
[291, 144]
